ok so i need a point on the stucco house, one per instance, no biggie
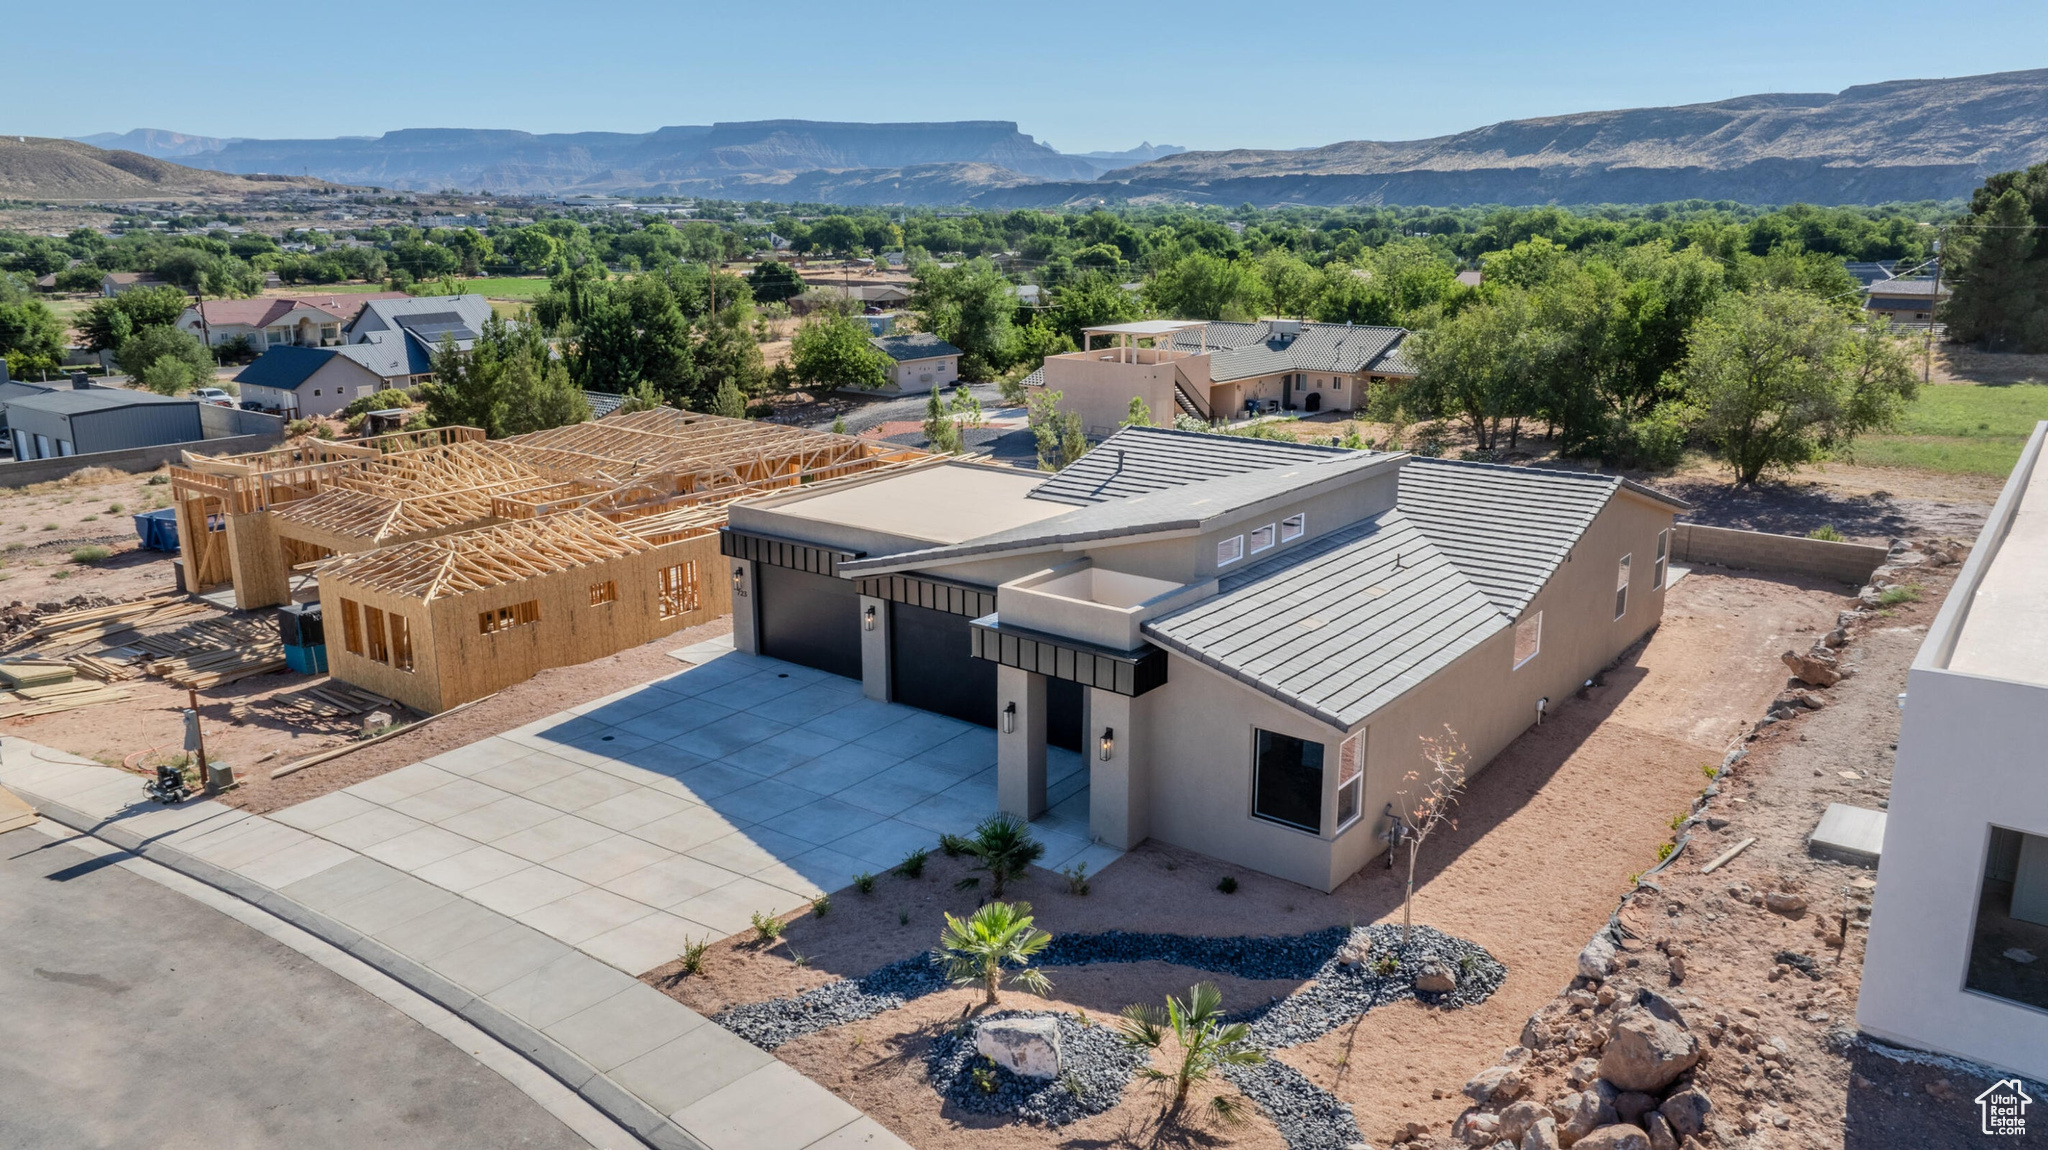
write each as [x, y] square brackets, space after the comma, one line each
[1243, 639]
[115, 283]
[1218, 370]
[276, 321]
[423, 319]
[918, 363]
[307, 381]
[1959, 926]
[1905, 300]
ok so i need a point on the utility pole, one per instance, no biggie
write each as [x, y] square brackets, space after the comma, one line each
[1927, 369]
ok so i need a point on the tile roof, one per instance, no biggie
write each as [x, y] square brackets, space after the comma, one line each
[1507, 528]
[389, 355]
[921, 345]
[382, 314]
[1244, 350]
[1339, 626]
[1137, 460]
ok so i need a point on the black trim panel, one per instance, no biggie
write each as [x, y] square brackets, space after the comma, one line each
[1126, 673]
[782, 552]
[931, 594]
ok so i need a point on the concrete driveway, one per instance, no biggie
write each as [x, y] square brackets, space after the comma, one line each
[678, 810]
[136, 1017]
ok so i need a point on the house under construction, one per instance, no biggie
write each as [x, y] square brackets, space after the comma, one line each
[449, 566]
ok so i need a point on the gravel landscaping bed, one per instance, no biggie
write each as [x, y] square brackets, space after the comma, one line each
[1095, 1065]
[1307, 1116]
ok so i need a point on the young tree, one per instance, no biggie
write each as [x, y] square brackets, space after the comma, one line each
[964, 410]
[833, 350]
[1139, 415]
[729, 402]
[940, 432]
[641, 398]
[1000, 934]
[1206, 1044]
[169, 376]
[1781, 379]
[1430, 799]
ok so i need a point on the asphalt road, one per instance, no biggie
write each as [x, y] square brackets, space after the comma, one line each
[133, 1016]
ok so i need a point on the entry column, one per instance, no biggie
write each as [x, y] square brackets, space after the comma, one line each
[1020, 742]
[1119, 781]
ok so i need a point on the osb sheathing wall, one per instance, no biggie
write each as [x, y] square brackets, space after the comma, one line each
[454, 663]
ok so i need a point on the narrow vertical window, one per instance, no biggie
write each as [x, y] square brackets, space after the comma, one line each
[1663, 565]
[351, 627]
[1287, 781]
[1528, 639]
[401, 642]
[1350, 780]
[373, 630]
[679, 589]
[1621, 587]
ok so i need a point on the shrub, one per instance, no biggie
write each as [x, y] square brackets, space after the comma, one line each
[297, 427]
[1903, 593]
[1204, 1041]
[115, 509]
[158, 479]
[1003, 847]
[693, 955]
[1657, 440]
[767, 927]
[1386, 965]
[1227, 884]
[384, 400]
[952, 846]
[912, 865]
[1825, 532]
[864, 883]
[821, 906]
[1077, 878]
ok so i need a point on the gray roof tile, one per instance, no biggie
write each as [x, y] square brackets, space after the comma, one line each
[1137, 460]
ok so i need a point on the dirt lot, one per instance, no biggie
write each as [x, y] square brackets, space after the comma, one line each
[1547, 838]
[41, 525]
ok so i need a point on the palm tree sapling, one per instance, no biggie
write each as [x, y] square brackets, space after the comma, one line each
[976, 949]
[1205, 1041]
[1002, 845]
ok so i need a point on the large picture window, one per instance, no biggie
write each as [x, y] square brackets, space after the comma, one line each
[1287, 785]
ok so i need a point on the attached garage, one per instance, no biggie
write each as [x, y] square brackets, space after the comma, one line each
[809, 619]
[932, 665]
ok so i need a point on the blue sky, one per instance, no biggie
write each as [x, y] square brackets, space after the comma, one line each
[1079, 76]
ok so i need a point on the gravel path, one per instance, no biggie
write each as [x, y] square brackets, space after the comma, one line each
[1307, 1116]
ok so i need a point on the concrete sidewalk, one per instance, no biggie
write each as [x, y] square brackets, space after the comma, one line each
[653, 1065]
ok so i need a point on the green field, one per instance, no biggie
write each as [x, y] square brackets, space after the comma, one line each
[506, 287]
[1960, 429]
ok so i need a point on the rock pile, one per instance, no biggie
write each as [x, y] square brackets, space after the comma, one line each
[1630, 1058]
[1094, 1066]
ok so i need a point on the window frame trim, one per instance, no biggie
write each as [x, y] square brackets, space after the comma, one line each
[1537, 618]
[1624, 575]
[1238, 557]
[1297, 828]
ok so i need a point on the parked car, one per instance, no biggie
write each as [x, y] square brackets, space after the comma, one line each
[214, 396]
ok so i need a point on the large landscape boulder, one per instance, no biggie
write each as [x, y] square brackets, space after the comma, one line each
[1516, 1120]
[1810, 670]
[1648, 1045]
[1620, 1136]
[1027, 1047]
[1436, 978]
[1580, 1114]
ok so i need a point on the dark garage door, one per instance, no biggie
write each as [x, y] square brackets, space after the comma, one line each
[932, 665]
[809, 619]
[1063, 713]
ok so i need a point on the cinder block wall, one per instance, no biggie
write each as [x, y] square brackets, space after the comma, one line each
[1762, 551]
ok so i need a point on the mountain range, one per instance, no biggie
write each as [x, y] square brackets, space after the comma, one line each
[1899, 140]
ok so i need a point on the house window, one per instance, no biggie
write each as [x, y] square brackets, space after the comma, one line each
[2012, 913]
[1528, 639]
[401, 642]
[1293, 527]
[1287, 781]
[1262, 538]
[1621, 587]
[605, 592]
[316, 391]
[1350, 780]
[373, 630]
[1337, 383]
[1230, 551]
[351, 628]
[679, 589]
[1663, 565]
[506, 618]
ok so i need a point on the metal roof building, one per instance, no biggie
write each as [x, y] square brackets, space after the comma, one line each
[79, 422]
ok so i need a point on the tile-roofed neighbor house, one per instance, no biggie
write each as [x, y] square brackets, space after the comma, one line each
[275, 321]
[1244, 637]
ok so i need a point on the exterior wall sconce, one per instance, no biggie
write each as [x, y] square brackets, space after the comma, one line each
[867, 619]
[739, 582]
[1108, 743]
[1009, 718]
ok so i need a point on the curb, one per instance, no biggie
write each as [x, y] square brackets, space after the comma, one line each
[614, 1101]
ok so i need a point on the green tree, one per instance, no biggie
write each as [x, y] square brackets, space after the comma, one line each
[1782, 379]
[1999, 299]
[971, 307]
[1205, 286]
[1204, 1042]
[1000, 935]
[775, 282]
[507, 383]
[730, 401]
[1477, 367]
[641, 398]
[834, 351]
[28, 328]
[1092, 300]
[1139, 415]
[533, 249]
[941, 434]
[151, 344]
[108, 323]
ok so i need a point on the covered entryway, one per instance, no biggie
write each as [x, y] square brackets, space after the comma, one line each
[932, 665]
[809, 619]
[1062, 713]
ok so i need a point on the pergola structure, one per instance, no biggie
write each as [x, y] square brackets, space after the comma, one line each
[544, 509]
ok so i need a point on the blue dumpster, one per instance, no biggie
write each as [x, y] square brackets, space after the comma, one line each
[158, 530]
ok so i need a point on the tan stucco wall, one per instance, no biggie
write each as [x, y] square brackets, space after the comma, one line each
[1099, 390]
[339, 382]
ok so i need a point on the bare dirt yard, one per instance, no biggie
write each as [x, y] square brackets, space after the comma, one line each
[1547, 839]
[44, 527]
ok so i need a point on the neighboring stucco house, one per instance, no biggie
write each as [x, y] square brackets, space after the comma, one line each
[307, 381]
[1959, 928]
[423, 319]
[1213, 371]
[1905, 300]
[276, 321]
[1243, 639]
[918, 363]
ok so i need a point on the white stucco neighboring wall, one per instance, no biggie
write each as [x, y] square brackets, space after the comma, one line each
[1969, 760]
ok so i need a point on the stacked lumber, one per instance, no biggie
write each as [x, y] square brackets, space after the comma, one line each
[106, 666]
[48, 700]
[331, 700]
[67, 631]
[24, 673]
[211, 668]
